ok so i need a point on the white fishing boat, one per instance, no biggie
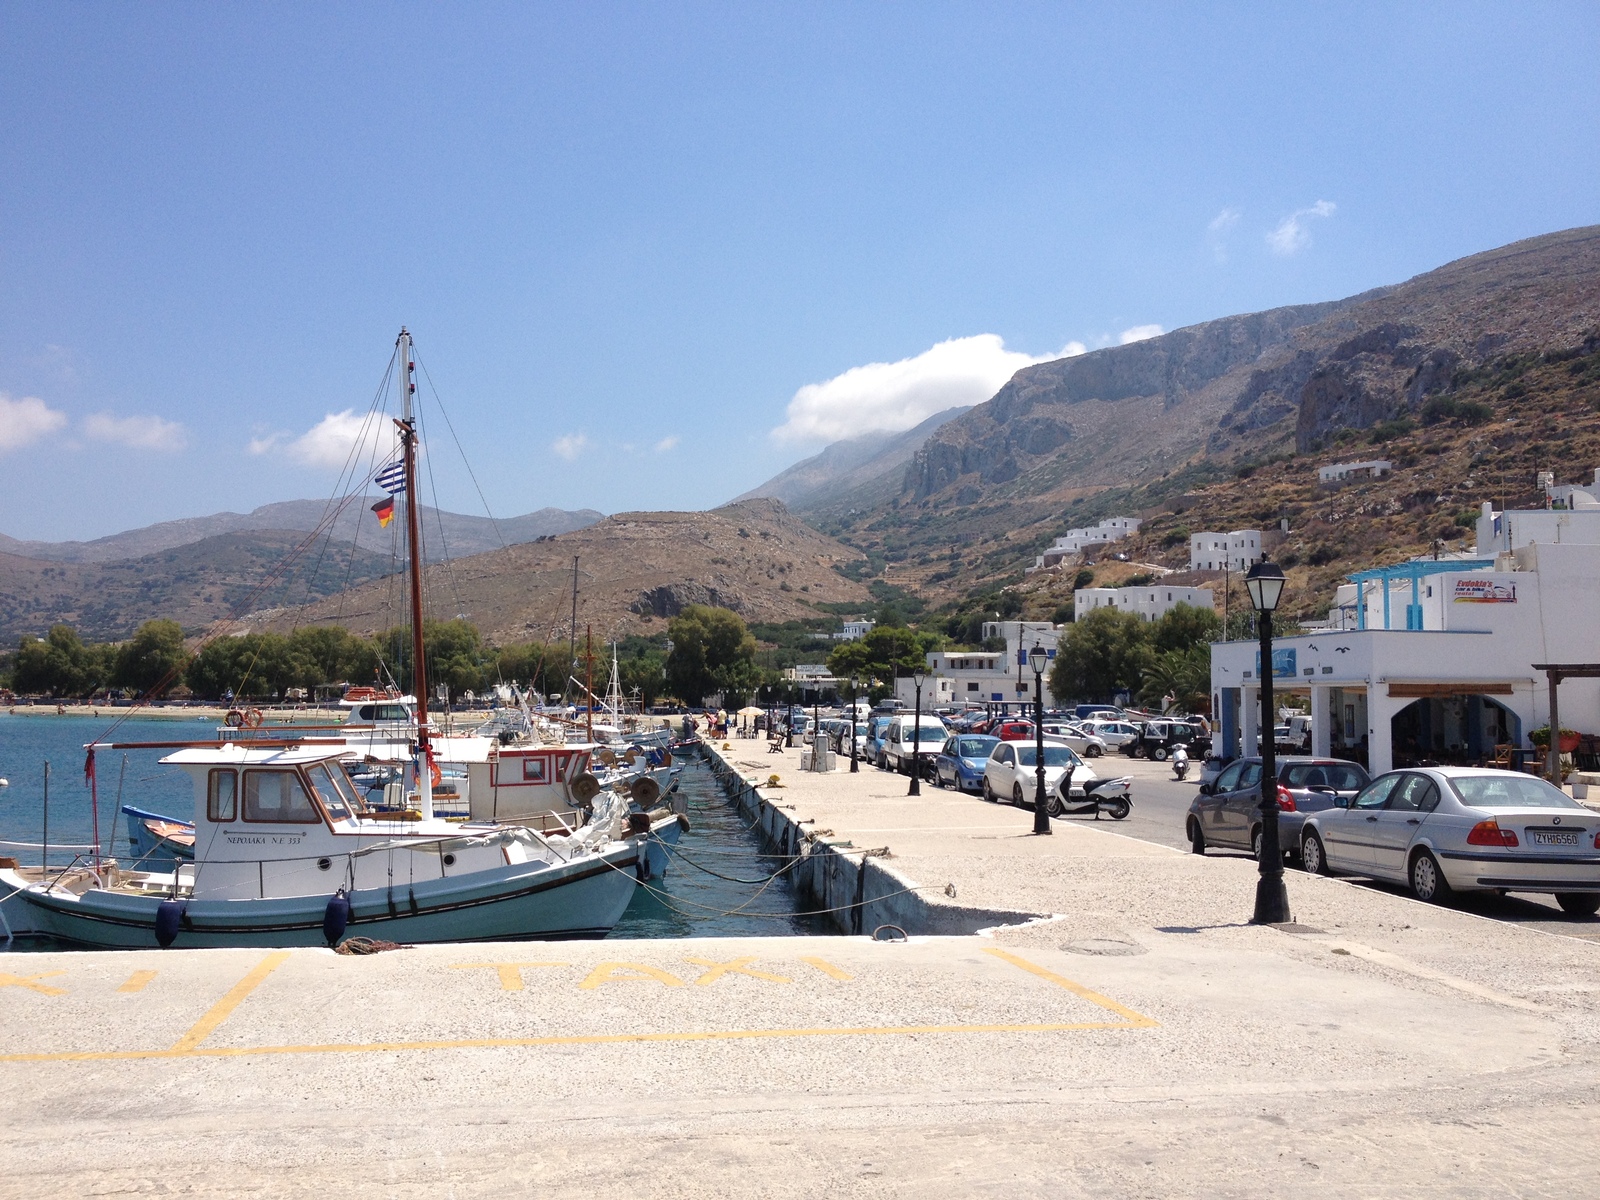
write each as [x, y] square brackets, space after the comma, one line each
[284, 854]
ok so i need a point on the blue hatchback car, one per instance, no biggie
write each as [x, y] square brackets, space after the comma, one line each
[877, 726]
[961, 760]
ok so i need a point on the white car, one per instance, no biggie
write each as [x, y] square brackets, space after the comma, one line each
[1113, 733]
[1090, 745]
[1011, 772]
[900, 744]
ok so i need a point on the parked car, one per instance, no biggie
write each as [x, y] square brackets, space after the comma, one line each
[877, 728]
[1442, 830]
[1089, 745]
[1212, 766]
[1157, 738]
[961, 760]
[1012, 730]
[1010, 772]
[1114, 733]
[902, 740]
[1228, 811]
[1085, 712]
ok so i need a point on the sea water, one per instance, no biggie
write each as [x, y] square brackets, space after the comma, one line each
[716, 885]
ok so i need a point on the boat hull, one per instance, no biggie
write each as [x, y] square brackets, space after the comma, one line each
[580, 899]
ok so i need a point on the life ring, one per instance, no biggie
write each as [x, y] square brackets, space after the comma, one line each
[434, 773]
[234, 719]
[252, 718]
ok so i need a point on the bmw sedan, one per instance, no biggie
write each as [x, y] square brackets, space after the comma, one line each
[1441, 830]
[961, 760]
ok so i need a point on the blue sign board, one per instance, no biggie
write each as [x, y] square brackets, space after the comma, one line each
[1283, 664]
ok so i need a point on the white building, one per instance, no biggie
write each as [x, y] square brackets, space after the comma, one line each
[1578, 524]
[1440, 667]
[1152, 601]
[958, 677]
[812, 679]
[1340, 472]
[1075, 541]
[1572, 495]
[854, 631]
[1233, 551]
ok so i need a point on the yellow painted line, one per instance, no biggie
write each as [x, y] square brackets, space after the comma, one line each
[598, 1039]
[223, 1009]
[1135, 1020]
[827, 968]
[136, 982]
[31, 982]
[612, 972]
[738, 966]
[510, 973]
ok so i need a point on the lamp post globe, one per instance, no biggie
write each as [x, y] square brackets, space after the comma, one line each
[915, 789]
[1041, 814]
[1265, 583]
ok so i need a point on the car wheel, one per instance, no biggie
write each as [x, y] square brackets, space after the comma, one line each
[1092, 751]
[1159, 754]
[1255, 843]
[1428, 883]
[988, 792]
[1197, 837]
[1312, 856]
[1119, 809]
[1579, 904]
[1016, 795]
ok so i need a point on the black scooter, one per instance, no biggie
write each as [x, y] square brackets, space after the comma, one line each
[1109, 796]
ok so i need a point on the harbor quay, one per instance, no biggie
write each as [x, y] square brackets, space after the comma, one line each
[1084, 1014]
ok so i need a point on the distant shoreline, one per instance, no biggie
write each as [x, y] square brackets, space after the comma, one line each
[198, 712]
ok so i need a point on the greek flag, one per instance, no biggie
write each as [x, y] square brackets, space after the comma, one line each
[392, 478]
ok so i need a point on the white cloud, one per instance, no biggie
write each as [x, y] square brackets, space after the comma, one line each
[1139, 333]
[331, 441]
[666, 443]
[570, 445]
[138, 433]
[25, 420]
[1218, 230]
[898, 395]
[1291, 236]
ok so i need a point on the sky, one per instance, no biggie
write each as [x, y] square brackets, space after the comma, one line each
[653, 254]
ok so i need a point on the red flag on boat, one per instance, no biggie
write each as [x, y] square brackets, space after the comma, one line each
[385, 510]
[88, 767]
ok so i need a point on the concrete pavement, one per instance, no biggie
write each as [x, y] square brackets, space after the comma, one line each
[1142, 1040]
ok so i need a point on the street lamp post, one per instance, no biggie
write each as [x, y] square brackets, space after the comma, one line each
[854, 765]
[916, 739]
[818, 742]
[1265, 584]
[1041, 815]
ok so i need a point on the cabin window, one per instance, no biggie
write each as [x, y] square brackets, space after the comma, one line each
[337, 799]
[277, 796]
[533, 769]
[392, 712]
[365, 712]
[222, 795]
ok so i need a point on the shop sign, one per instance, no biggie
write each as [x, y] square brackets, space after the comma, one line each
[1484, 591]
[1283, 664]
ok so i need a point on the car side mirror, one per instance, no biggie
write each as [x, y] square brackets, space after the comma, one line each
[1341, 801]
[1207, 789]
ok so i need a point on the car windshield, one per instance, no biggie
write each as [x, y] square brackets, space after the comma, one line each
[1341, 777]
[1054, 756]
[975, 747]
[1510, 791]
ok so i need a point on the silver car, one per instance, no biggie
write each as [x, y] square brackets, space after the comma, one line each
[1227, 810]
[1441, 830]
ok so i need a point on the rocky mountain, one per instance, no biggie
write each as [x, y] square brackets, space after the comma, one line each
[445, 534]
[194, 584]
[847, 467]
[635, 571]
[989, 488]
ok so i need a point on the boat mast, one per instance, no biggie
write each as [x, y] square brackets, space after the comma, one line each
[588, 683]
[408, 444]
[572, 637]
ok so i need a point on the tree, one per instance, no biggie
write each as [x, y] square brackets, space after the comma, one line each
[1102, 654]
[1184, 626]
[154, 655]
[712, 651]
[883, 654]
[251, 666]
[1179, 680]
[59, 664]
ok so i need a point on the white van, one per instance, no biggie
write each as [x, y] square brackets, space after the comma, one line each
[899, 744]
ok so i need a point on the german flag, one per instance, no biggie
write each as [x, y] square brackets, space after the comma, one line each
[385, 511]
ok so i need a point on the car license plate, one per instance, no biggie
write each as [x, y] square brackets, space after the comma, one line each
[1560, 837]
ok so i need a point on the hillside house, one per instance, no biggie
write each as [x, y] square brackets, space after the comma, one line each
[1075, 541]
[1233, 551]
[1343, 472]
[1152, 601]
